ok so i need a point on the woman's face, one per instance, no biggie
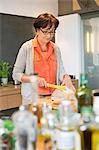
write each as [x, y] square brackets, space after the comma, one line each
[46, 34]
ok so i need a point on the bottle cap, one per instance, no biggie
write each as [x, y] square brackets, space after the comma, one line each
[22, 108]
[96, 94]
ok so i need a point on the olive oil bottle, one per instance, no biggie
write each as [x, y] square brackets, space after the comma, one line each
[89, 132]
[85, 128]
[84, 94]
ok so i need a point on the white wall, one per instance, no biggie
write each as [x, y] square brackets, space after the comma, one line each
[68, 37]
[30, 8]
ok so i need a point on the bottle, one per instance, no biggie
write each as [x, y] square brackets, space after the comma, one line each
[95, 128]
[3, 137]
[24, 129]
[35, 107]
[84, 94]
[7, 138]
[96, 102]
[34, 83]
[47, 128]
[89, 130]
[66, 129]
[85, 107]
[85, 128]
[95, 133]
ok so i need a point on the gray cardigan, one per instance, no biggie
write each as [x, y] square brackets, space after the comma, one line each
[24, 64]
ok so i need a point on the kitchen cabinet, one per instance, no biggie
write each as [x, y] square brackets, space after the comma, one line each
[10, 97]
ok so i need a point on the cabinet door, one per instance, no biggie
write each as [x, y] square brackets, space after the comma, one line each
[14, 101]
[3, 102]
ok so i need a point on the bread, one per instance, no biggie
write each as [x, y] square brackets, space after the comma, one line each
[58, 95]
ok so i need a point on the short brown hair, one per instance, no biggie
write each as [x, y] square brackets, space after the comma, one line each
[44, 20]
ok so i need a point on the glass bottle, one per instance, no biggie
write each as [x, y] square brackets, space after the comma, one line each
[84, 94]
[85, 128]
[24, 129]
[7, 138]
[3, 137]
[34, 83]
[95, 134]
[85, 107]
[66, 129]
[89, 131]
[47, 128]
[95, 128]
[35, 107]
[96, 102]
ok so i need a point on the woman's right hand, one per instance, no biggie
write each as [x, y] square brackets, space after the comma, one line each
[42, 82]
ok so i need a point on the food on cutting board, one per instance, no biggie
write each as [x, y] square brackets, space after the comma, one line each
[58, 95]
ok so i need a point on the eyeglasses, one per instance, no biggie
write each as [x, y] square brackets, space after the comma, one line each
[47, 32]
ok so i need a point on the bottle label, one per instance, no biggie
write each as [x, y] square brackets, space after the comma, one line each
[65, 139]
[86, 109]
[87, 114]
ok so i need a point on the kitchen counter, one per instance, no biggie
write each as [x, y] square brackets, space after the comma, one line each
[10, 96]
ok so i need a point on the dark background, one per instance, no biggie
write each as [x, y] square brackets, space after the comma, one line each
[14, 31]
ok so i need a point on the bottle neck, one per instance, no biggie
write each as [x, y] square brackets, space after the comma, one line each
[65, 109]
[83, 80]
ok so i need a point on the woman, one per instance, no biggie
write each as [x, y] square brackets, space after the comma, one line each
[42, 56]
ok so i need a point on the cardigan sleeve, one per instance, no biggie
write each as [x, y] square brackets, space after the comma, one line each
[61, 67]
[20, 64]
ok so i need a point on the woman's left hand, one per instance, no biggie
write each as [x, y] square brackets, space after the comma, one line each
[67, 82]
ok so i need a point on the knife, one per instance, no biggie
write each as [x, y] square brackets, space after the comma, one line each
[56, 86]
